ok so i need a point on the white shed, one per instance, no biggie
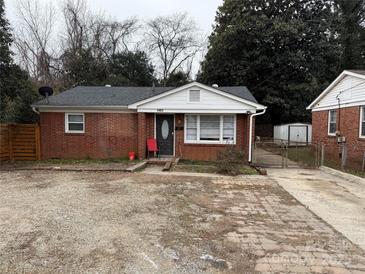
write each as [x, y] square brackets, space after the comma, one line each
[293, 134]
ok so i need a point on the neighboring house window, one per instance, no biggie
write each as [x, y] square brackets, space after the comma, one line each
[74, 123]
[194, 96]
[332, 118]
[216, 129]
[362, 122]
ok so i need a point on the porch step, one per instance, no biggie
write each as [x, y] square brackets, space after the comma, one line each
[160, 161]
[167, 166]
[137, 167]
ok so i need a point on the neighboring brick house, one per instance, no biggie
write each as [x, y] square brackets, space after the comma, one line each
[338, 117]
[194, 121]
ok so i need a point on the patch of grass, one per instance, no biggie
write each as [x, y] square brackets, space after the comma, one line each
[337, 165]
[247, 170]
[196, 168]
[193, 162]
[210, 167]
[306, 156]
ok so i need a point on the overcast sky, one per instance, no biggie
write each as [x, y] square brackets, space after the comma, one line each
[202, 11]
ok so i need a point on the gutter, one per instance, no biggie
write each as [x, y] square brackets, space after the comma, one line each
[250, 137]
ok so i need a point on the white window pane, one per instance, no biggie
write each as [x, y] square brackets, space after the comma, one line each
[332, 121]
[191, 134]
[191, 127]
[75, 118]
[194, 95]
[191, 121]
[228, 127]
[332, 128]
[333, 116]
[74, 127]
[209, 127]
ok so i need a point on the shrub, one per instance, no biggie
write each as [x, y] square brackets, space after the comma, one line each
[230, 161]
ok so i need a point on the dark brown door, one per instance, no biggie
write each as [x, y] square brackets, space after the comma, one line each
[165, 133]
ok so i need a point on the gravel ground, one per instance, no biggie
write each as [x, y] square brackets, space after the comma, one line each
[112, 222]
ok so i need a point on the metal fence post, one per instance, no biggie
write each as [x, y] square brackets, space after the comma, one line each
[343, 155]
[322, 154]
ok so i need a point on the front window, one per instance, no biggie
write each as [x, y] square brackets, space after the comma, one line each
[218, 129]
[210, 127]
[332, 118]
[74, 123]
[362, 122]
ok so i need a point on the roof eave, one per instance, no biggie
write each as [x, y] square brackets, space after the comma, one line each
[156, 97]
[79, 107]
[335, 82]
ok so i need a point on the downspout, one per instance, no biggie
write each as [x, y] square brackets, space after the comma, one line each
[35, 110]
[250, 137]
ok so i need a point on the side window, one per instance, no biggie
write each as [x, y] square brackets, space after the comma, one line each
[332, 118]
[74, 123]
[362, 122]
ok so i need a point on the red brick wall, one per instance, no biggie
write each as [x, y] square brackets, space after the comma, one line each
[145, 130]
[206, 151]
[107, 135]
[349, 127]
[112, 135]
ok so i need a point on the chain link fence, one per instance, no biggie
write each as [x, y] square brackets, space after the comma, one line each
[269, 152]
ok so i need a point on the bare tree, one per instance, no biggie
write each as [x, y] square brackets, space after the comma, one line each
[77, 21]
[33, 40]
[84, 30]
[174, 41]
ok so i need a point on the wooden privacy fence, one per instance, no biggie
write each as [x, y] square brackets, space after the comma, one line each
[19, 142]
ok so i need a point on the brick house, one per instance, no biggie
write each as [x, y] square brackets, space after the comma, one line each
[193, 121]
[338, 117]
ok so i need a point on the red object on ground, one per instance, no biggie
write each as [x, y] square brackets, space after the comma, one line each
[152, 145]
[132, 155]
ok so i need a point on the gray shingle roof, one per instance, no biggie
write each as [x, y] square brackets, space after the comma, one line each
[120, 96]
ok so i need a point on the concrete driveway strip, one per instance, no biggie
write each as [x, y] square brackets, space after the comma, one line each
[341, 203]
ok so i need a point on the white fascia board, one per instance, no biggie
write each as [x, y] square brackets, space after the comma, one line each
[202, 86]
[334, 83]
[343, 105]
[198, 111]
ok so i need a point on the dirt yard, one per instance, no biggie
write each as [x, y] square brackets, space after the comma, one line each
[113, 222]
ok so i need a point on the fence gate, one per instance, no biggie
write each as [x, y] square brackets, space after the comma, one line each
[278, 153]
[19, 142]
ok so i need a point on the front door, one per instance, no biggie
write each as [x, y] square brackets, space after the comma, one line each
[165, 134]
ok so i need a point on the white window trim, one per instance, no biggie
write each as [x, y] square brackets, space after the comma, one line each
[362, 108]
[66, 123]
[328, 123]
[200, 95]
[221, 141]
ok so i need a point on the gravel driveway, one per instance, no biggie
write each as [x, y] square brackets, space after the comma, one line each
[112, 222]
